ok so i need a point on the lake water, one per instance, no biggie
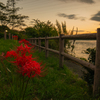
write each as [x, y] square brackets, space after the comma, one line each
[81, 45]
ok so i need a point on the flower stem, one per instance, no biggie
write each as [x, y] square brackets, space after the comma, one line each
[25, 88]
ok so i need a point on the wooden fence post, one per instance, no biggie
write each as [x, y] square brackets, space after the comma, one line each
[96, 87]
[5, 35]
[9, 35]
[39, 40]
[32, 41]
[46, 46]
[12, 36]
[35, 43]
[61, 49]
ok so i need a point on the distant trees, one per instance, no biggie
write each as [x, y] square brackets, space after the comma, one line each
[3, 16]
[14, 19]
[41, 29]
[9, 16]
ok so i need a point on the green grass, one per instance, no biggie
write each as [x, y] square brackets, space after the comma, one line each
[58, 84]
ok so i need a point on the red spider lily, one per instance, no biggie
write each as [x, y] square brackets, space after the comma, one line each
[21, 60]
[15, 37]
[25, 64]
[23, 49]
[12, 54]
[31, 69]
[25, 42]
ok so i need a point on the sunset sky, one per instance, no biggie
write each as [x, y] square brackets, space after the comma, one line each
[84, 14]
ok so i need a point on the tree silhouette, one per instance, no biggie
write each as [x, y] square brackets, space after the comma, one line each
[3, 16]
[9, 16]
[14, 19]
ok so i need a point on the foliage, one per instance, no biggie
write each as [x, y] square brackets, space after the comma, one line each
[22, 36]
[3, 28]
[89, 77]
[62, 29]
[42, 29]
[92, 54]
[14, 20]
[9, 16]
[1, 35]
[31, 32]
[3, 16]
[83, 59]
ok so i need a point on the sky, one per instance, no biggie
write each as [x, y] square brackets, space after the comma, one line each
[81, 14]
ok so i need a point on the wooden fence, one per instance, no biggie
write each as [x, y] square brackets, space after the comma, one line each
[93, 36]
[10, 36]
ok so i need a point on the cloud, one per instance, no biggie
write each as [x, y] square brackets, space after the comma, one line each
[71, 16]
[96, 17]
[87, 1]
[83, 1]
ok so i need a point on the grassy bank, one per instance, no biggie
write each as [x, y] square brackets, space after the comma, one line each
[58, 84]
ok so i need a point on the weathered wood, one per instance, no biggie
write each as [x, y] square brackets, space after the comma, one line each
[12, 36]
[82, 62]
[9, 35]
[55, 51]
[39, 40]
[48, 49]
[32, 41]
[42, 47]
[55, 37]
[75, 37]
[46, 46]
[5, 35]
[35, 43]
[96, 87]
[61, 49]
[42, 38]
[81, 37]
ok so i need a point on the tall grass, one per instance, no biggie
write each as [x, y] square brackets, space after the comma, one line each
[57, 84]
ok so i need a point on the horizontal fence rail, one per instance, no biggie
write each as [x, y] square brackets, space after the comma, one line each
[75, 37]
[93, 36]
[61, 47]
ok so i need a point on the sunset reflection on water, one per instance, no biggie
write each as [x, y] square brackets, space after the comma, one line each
[81, 45]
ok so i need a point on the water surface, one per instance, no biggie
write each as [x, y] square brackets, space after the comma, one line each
[81, 45]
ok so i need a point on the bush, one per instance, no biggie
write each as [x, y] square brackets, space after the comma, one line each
[89, 77]
[1, 35]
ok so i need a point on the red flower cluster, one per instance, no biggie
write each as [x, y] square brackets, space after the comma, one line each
[25, 63]
[25, 42]
[15, 37]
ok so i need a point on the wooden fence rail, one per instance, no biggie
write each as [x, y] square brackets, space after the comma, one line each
[93, 36]
[61, 47]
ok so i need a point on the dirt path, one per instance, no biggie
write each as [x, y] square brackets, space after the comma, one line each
[75, 67]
